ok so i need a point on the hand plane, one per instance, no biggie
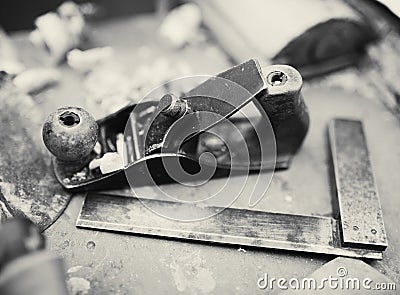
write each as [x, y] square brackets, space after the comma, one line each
[177, 127]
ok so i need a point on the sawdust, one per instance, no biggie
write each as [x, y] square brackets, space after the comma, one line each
[78, 286]
[74, 269]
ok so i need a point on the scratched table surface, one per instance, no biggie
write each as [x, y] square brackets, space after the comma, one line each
[111, 263]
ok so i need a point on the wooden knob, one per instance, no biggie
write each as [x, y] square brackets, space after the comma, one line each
[70, 134]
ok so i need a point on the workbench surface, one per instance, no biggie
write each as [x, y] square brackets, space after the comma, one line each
[111, 263]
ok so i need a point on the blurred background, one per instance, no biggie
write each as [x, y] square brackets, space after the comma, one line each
[21, 14]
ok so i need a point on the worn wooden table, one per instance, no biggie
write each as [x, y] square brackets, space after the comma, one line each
[111, 263]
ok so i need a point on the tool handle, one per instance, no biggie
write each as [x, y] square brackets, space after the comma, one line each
[283, 103]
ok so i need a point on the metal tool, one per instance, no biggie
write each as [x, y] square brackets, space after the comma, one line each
[356, 231]
[150, 128]
[27, 184]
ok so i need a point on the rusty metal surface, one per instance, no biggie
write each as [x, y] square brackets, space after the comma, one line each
[359, 208]
[231, 226]
[27, 184]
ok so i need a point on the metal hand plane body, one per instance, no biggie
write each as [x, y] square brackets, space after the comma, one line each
[183, 127]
